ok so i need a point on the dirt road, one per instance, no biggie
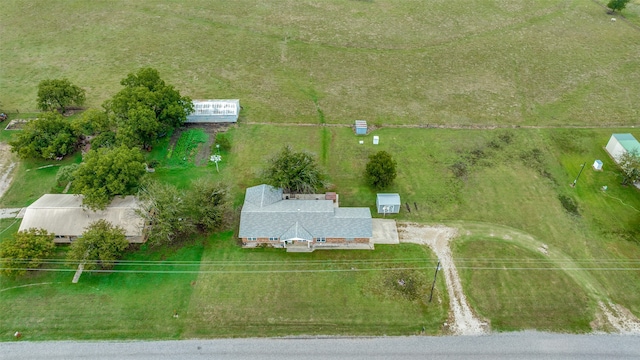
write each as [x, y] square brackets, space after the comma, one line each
[7, 164]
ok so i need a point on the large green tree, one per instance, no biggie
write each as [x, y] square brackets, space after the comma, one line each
[380, 171]
[141, 128]
[617, 5]
[175, 214]
[294, 172]
[146, 97]
[164, 208]
[92, 122]
[25, 250]
[100, 245]
[48, 137]
[107, 172]
[208, 205]
[58, 94]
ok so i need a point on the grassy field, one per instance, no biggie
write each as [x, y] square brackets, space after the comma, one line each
[514, 179]
[506, 205]
[545, 62]
[32, 178]
[535, 64]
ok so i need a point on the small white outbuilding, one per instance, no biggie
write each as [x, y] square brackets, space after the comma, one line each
[388, 203]
[597, 165]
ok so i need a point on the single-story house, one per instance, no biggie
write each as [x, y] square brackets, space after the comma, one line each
[620, 144]
[315, 222]
[64, 216]
[388, 203]
[214, 111]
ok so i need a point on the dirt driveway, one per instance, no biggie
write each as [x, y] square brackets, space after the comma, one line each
[7, 164]
[463, 321]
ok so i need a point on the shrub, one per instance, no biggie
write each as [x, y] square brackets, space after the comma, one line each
[66, 174]
[569, 204]
[459, 170]
[26, 250]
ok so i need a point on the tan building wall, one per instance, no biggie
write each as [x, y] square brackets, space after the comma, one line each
[66, 239]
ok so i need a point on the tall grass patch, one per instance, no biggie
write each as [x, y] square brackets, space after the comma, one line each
[186, 148]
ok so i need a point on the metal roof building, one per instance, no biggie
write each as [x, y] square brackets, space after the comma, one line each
[214, 111]
[620, 144]
[64, 215]
[266, 215]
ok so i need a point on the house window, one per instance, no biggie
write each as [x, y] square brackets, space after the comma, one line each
[321, 239]
[273, 239]
[252, 238]
[350, 239]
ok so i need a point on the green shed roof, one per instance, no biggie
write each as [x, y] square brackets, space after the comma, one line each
[628, 142]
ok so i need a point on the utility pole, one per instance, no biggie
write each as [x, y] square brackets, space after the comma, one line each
[576, 180]
[434, 281]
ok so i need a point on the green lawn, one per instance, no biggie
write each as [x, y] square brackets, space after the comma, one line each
[237, 293]
[102, 306]
[268, 292]
[545, 62]
[33, 178]
[501, 286]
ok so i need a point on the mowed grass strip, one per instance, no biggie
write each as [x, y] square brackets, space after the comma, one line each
[268, 292]
[546, 62]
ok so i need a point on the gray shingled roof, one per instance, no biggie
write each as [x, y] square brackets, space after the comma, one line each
[63, 214]
[262, 216]
[295, 232]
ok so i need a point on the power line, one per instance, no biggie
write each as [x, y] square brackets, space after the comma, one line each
[281, 271]
[327, 262]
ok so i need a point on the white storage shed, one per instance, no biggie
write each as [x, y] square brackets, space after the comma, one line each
[388, 203]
